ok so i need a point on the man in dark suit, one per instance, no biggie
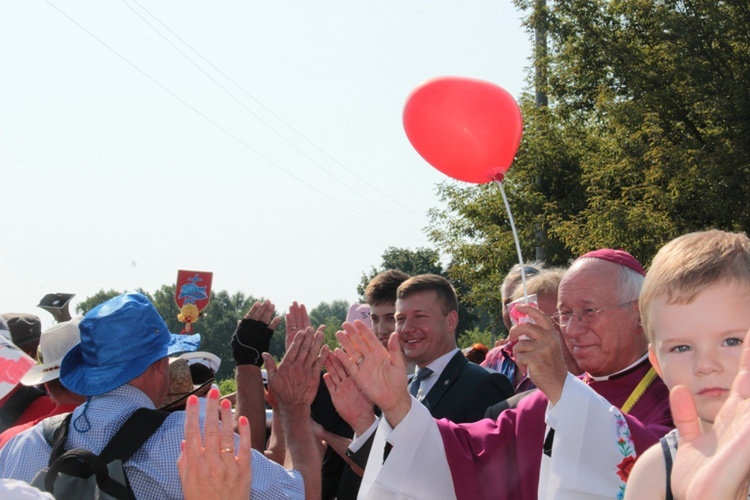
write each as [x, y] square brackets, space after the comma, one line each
[445, 381]
[461, 391]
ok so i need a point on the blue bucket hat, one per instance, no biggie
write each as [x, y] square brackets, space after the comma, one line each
[120, 339]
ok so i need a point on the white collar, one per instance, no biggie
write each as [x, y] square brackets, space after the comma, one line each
[439, 364]
[607, 377]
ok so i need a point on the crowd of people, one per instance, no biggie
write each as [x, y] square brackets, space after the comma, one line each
[614, 383]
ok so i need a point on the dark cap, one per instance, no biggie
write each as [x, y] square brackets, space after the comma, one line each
[24, 328]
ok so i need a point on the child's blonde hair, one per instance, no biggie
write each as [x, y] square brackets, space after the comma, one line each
[687, 265]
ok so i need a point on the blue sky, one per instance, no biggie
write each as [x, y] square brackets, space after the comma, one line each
[261, 141]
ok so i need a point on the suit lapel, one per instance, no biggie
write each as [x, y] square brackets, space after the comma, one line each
[446, 379]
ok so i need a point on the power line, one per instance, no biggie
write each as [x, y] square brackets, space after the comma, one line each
[227, 132]
[218, 84]
[218, 70]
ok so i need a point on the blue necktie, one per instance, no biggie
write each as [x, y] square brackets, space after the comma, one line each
[422, 374]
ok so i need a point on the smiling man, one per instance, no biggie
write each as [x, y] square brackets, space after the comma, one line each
[445, 382]
[575, 438]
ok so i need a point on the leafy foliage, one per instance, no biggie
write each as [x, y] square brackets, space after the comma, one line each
[332, 315]
[411, 262]
[471, 337]
[645, 138]
[227, 386]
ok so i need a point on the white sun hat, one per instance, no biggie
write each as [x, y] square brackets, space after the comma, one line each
[53, 345]
[208, 359]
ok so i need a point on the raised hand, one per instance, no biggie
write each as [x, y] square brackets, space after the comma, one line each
[253, 334]
[715, 464]
[211, 468]
[295, 381]
[353, 406]
[296, 320]
[538, 348]
[294, 385]
[379, 373]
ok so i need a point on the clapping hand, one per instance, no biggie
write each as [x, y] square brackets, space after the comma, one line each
[210, 467]
[379, 373]
[353, 406]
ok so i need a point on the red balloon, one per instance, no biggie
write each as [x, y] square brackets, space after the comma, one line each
[468, 129]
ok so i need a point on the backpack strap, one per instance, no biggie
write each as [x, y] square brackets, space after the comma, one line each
[129, 438]
[55, 432]
[104, 481]
[134, 432]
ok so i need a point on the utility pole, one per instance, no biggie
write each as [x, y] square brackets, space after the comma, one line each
[540, 96]
[540, 52]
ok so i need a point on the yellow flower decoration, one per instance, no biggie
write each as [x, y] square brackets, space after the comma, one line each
[188, 314]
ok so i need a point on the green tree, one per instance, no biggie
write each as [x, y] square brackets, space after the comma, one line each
[411, 262]
[330, 312]
[332, 315]
[227, 385]
[661, 87]
[644, 138]
[278, 341]
[647, 85]
[421, 261]
[471, 337]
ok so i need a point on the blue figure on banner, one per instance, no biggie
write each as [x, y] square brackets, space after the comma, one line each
[191, 292]
[191, 297]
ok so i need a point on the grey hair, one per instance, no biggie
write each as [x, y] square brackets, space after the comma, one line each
[629, 283]
[514, 276]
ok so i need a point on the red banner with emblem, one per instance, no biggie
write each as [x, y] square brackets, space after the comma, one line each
[192, 293]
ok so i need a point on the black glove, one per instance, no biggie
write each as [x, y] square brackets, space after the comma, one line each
[251, 338]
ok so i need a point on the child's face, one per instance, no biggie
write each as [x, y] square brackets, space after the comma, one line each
[699, 344]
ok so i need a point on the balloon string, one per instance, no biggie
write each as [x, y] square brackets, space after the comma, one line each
[515, 238]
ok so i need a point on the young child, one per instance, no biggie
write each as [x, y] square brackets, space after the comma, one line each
[714, 464]
[695, 309]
